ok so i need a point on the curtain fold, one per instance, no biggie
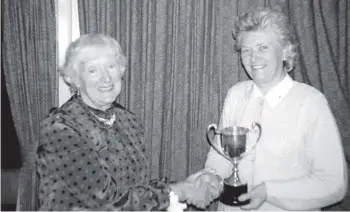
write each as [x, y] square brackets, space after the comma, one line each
[322, 28]
[29, 63]
[180, 67]
[182, 62]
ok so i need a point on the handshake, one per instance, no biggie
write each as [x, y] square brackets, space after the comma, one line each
[199, 189]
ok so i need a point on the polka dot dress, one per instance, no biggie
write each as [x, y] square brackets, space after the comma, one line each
[85, 165]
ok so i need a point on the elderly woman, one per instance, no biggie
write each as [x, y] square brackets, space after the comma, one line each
[298, 163]
[92, 152]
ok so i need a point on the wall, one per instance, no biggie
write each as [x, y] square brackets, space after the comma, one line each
[67, 31]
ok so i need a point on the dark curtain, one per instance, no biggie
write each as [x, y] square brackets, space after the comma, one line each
[29, 63]
[10, 152]
[323, 29]
[182, 63]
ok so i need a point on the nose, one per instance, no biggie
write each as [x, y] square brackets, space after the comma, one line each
[253, 56]
[106, 75]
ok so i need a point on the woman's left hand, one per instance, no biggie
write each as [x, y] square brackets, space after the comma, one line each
[257, 196]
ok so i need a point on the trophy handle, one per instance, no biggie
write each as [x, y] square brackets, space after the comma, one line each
[254, 126]
[215, 127]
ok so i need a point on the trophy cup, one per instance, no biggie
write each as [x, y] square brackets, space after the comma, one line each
[233, 144]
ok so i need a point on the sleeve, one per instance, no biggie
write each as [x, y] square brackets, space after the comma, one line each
[234, 105]
[327, 181]
[215, 161]
[72, 162]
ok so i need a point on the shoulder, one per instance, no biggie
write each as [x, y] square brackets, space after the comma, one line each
[121, 108]
[311, 102]
[122, 111]
[60, 132]
[55, 115]
[59, 118]
[310, 94]
[128, 122]
[240, 90]
[307, 89]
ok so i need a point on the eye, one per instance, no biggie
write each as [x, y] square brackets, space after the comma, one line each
[92, 70]
[263, 48]
[244, 51]
[111, 65]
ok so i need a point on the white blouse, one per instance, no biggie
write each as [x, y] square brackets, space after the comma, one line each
[299, 155]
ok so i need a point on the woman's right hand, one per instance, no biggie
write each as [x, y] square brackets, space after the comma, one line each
[199, 189]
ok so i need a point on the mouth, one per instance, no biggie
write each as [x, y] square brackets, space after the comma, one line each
[258, 67]
[105, 88]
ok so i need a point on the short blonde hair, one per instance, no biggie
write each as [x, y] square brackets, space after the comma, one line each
[266, 18]
[75, 51]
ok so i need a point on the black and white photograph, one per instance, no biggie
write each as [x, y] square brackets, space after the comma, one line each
[175, 105]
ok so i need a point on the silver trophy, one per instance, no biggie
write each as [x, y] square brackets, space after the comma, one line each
[233, 146]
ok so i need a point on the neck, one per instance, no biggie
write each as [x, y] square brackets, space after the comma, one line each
[266, 87]
[92, 104]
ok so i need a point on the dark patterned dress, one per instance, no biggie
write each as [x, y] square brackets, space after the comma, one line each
[84, 165]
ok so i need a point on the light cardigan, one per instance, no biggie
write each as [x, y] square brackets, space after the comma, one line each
[299, 155]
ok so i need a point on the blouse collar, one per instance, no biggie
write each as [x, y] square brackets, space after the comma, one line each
[277, 93]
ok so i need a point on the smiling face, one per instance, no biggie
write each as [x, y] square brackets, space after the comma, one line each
[100, 77]
[262, 57]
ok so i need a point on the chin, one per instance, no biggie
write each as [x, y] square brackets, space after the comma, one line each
[110, 99]
[261, 81]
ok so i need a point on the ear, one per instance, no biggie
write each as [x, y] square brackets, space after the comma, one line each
[122, 71]
[69, 80]
[286, 52]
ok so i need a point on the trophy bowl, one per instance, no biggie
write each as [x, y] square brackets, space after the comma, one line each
[233, 146]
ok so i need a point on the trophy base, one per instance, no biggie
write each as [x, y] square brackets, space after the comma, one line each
[231, 193]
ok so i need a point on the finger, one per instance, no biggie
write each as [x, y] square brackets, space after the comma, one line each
[245, 197]
[254, 204]
[202, 204]
[199, 200]
[219, 179]
[194, 176]
[247, 207]
[215, 190]
[217, 182]
[212, 191]
[198, 203]
[210, 177]
[211, 170]
[191, 202]
[207, 184]
[214, 181]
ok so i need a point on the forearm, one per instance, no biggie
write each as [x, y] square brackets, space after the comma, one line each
[181, 188]
[293, 204]
[178, 189]
[326, 181]
[217, 162]
[83, 174]
[306, 193]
